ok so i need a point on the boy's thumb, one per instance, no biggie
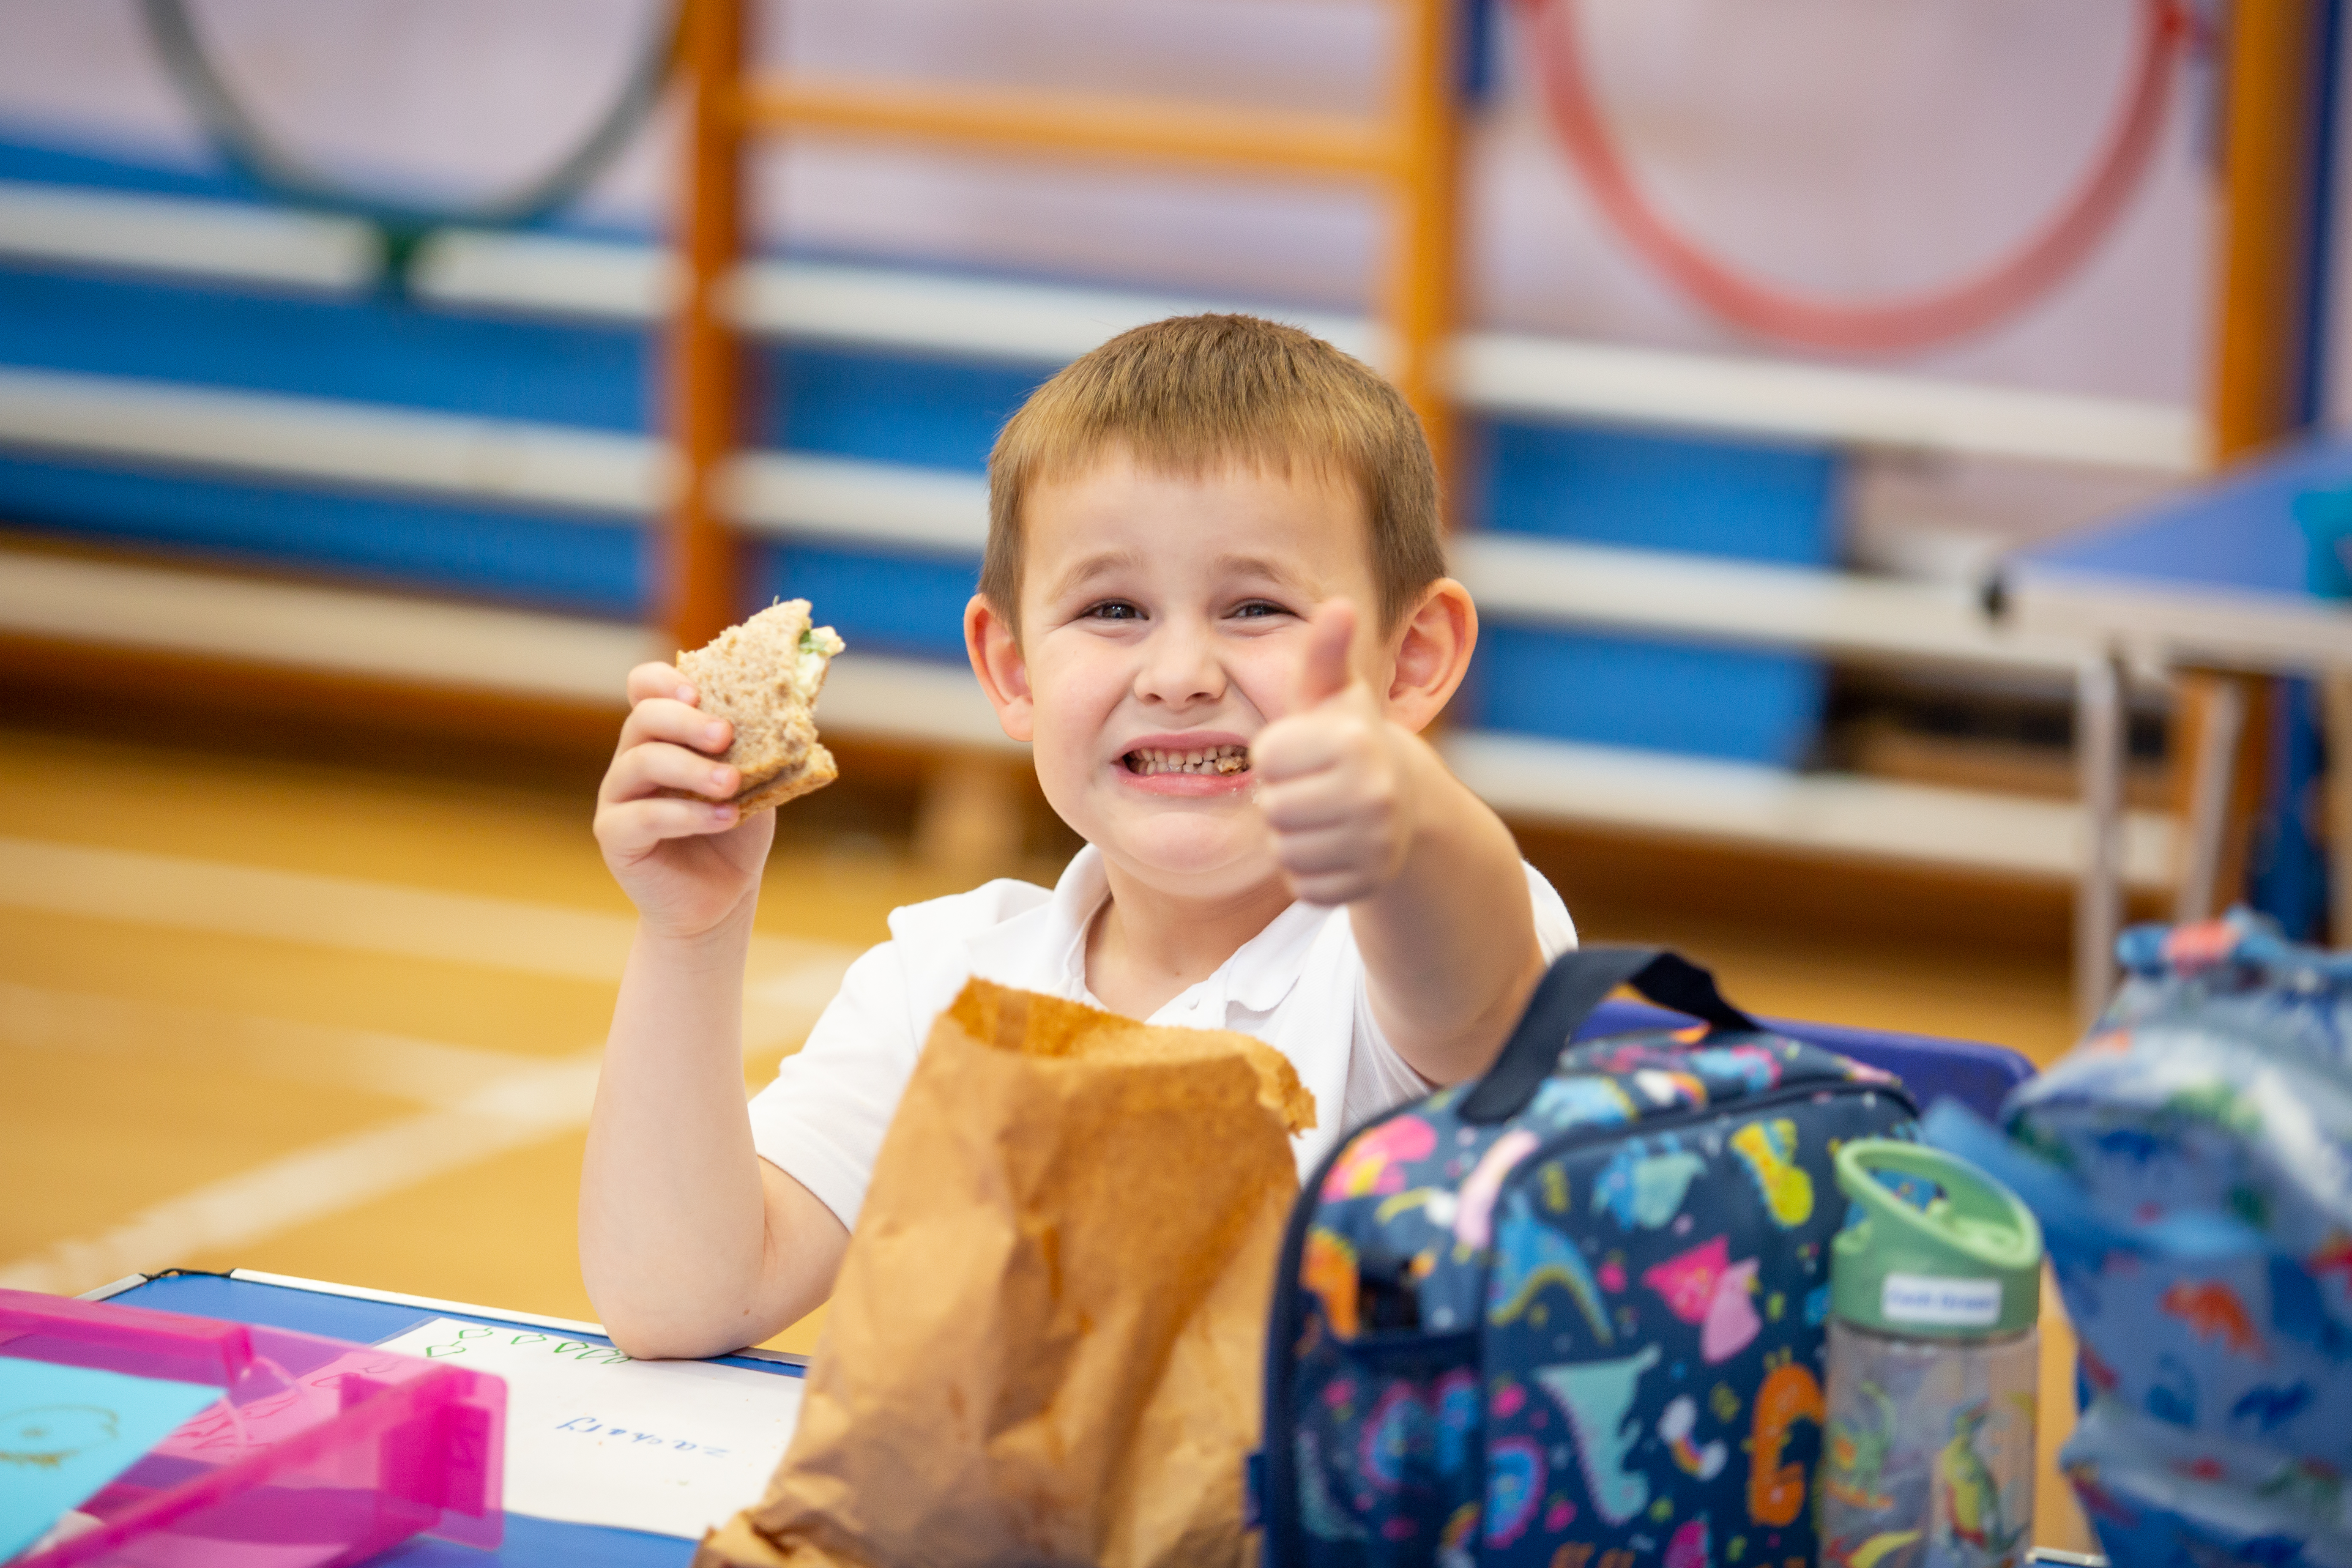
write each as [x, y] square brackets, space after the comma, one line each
[1324, 673]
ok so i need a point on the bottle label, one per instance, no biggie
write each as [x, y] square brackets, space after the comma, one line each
[1947, 1303]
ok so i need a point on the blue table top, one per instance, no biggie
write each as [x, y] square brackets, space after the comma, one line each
[2237, 531]
[528, 1540]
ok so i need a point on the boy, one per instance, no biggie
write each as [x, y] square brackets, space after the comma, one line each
[1214, 602]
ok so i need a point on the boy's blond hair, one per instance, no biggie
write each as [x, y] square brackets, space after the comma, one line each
[1191, 394]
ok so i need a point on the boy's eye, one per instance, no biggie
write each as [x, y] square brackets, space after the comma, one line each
[1113, 610]
[1256, 609]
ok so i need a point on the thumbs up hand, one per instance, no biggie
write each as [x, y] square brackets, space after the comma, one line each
[1334, 780]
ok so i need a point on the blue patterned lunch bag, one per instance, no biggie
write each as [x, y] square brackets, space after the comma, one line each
[1571, 1315]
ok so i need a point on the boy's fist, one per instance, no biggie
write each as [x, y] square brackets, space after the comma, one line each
[686, 860]
[1334, 776]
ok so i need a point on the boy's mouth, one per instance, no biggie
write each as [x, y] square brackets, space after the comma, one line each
[1145, 761]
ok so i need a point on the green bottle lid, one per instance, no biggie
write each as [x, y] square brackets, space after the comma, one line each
[1966, 1266]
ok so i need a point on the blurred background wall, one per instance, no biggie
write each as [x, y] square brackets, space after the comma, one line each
[1836, 145]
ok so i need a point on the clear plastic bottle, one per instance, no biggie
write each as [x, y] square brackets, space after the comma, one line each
[1934, 1368]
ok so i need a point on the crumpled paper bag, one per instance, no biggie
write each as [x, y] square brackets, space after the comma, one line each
[1046, 1345]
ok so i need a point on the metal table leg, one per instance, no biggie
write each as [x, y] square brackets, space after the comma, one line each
[2099, 741]
[2213, 783]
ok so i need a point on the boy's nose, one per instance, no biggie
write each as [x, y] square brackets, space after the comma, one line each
[1180, 669]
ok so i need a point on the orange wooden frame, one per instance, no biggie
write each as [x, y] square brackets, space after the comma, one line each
[2269, 143]
[1409, 152]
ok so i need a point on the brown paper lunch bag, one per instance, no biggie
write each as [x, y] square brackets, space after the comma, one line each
[1046, 1341]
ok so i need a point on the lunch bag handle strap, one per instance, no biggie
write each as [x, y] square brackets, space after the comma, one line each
[1577, 984]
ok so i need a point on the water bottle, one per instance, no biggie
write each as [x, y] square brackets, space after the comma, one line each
[1934, 1365]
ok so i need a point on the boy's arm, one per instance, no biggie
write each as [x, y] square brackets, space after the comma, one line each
[691, 1245]
[1449, 941]
[1364, 813]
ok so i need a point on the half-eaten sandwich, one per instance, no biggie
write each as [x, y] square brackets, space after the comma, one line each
[762, 677]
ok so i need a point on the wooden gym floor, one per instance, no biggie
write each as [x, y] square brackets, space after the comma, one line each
[333, 1009]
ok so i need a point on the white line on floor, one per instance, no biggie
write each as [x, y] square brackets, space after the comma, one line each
[339, 911]
[311, 1183]
[504, 1113]
[430, 1072]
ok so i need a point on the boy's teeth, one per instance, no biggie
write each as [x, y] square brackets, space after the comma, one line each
[1214, 760]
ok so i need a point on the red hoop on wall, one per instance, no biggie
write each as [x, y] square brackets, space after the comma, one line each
[1815, 322]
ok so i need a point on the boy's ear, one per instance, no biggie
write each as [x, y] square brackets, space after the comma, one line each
[995, 655]
[1432, 653]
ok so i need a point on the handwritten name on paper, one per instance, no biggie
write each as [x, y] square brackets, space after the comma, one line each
[595, 1436]
[617, 1435]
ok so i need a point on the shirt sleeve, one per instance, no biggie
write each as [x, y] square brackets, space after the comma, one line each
[821, 1120]
[1555, 927]
[1378, 1077]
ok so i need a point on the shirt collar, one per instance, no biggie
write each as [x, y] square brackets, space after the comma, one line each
[1045, 948]
[1256, 978]
[1070, 915]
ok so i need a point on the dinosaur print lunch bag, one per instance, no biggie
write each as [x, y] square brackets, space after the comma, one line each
[2193, 1162]
[1571, 1315]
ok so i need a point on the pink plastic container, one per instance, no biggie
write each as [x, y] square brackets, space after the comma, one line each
[317, 1453]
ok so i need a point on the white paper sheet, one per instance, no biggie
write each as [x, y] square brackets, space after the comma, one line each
[593, 1438]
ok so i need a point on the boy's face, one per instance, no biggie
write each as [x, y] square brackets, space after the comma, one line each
[1162, 624]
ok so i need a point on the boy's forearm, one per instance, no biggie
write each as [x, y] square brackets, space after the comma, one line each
[1449, 944]
[672, 1213]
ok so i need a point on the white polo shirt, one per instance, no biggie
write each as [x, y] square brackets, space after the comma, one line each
[1298, 985]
